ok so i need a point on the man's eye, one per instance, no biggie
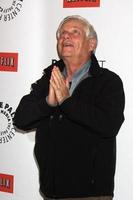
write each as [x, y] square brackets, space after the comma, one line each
[76, 32]
[63, 33]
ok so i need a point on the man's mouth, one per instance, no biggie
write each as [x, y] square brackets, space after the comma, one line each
[67, 44]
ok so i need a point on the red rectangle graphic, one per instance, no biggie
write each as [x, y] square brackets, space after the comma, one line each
[6, 183]
[81, 3]
[8, 62]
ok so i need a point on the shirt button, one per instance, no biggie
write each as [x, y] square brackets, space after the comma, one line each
[60, 117]
[51, 117]
[92, 181]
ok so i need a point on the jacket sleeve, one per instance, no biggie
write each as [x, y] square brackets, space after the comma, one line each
[105, 115]
[33, 107]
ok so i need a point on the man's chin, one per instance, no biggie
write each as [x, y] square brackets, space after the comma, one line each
[66, 56]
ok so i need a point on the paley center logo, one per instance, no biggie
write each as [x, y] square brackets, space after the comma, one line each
[9, 62]
[7, 130]
[9, 9]
[81, 3]
[6, 183]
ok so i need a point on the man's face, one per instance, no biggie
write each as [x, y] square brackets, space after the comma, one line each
[72, 41]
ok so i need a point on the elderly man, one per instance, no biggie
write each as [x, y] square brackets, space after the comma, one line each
[77, 110]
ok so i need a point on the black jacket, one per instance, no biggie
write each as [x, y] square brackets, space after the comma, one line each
[76, 141]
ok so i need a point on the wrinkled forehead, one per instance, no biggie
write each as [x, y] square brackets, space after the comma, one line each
[72, 23]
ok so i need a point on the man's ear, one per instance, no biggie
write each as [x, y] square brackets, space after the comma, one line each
[92, 44]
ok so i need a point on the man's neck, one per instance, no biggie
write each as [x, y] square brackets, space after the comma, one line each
[72, 66]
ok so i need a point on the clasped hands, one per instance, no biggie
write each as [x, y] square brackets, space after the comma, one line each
[58, 88]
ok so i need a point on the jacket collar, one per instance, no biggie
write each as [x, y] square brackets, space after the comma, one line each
[95, 69]
[58, 63]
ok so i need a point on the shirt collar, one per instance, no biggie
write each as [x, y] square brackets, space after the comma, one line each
[81, 72]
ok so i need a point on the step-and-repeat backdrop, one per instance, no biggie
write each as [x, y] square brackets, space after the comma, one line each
[27, 46]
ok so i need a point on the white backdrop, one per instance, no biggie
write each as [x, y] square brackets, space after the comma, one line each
[32, 35]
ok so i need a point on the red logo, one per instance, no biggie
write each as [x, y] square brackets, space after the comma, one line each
[81, 3]
[6, 183]
[9, 62]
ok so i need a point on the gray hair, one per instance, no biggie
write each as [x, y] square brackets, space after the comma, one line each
[89, 29]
